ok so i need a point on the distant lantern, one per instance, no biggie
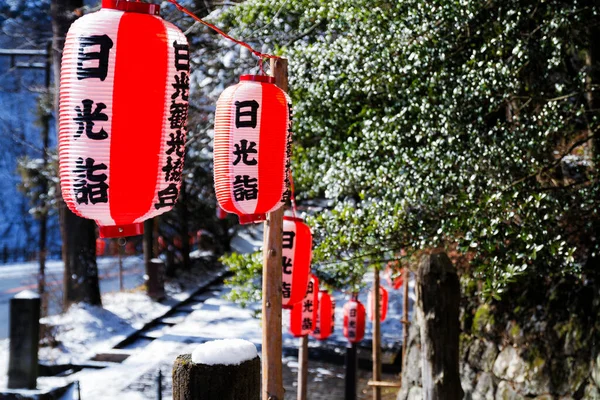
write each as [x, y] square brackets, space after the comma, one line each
[383, 304]
[325, 321]
[295, 260]
[100, 247]
[252, 148]
[393, 274]
[304, 314]
[123, 107]
[354, 320]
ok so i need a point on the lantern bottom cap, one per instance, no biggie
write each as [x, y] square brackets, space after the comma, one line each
[252, 218]
[114, 231]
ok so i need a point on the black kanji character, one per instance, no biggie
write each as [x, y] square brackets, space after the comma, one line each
[179, 113]
[245, 188]
[86, 120]
[353, 312]
[317, 331]
[242, 151]
[288, 239]
[306, 324]
[352, 324]
[287, 265]
[89, 186]
[182, 86]
[286, 289]
[310, 287]
[307, 306]
[176, 143]
[182, 56]
[101, 69]
[352, 334]
[167, 197]
[173, 170]
[249, 116]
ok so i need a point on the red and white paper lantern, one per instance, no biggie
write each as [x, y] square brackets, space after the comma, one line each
[252, 148]
[295, 260]
[100, 247]
[383, 304]
[123, 109]
[325, 321]
[354, 320]
[304, 314]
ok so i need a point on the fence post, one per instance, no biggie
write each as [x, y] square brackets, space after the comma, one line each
[302, 367]
[439, 297]
[24, 340]
[197, 381]
[155, 279]
[351, 365]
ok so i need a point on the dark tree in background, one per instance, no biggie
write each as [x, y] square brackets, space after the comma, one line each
[78, 234]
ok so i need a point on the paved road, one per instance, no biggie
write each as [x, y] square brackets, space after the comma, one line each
[17, 277]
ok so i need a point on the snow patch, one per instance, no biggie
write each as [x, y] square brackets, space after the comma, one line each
[27, 294]
[224, 352]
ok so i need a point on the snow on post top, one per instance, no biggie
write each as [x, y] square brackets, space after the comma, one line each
[27, 294]
[224, 352]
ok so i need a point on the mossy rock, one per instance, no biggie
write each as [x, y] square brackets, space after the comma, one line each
[483, 322]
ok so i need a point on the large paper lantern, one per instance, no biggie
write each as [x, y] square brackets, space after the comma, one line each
[325, 321]
[100, 247]
[304, 314]
[383, 304]
[354, 320]
[123, 108]
[252, 148]
[295, 260]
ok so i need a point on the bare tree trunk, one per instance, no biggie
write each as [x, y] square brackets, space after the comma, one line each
[80, 282]
[439, 299]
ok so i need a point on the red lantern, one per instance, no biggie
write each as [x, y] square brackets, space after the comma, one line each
[393, 274]
[130, 248]
[325, 321]
[354, 320]
[162, 245]
[383, 304]
[123, 107]
[100, 247]
[252, 148]
[295, 260]
[304, 314]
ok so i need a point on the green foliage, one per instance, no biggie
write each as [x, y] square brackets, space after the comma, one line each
[462, 125]
[247, 277]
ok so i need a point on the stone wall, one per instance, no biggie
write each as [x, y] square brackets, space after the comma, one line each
[510, 367]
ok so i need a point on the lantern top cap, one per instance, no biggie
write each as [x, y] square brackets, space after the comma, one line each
[258, 78]
[132, 6]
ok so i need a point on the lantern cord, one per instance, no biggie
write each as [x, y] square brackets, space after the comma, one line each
[292, 196]
[257, 53]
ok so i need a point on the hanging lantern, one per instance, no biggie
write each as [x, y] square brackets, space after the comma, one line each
[325, 321]
[100, 247]
[383, 304]
[295, 260]
[354, 320]
[123, 108]
[252, 148]
[393, 274]
[304, 314]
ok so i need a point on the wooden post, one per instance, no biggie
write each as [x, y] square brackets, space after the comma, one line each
[439, 296]
[405, 320]
[272, 378]
[351, 366]
[24, 340]
[376, 335]
[193, 381]
[302, 367]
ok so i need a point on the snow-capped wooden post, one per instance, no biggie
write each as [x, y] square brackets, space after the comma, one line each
[219, 370]
[439, 297]
[272, 378]
[376, 310]
[24, 340]
[302, 367]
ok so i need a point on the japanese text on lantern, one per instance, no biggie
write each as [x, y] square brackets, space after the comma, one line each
[245, 186]
[307, 307]
[352, 323]
[178, 111]
[90, 185]
[287, 262]
[287, 194]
